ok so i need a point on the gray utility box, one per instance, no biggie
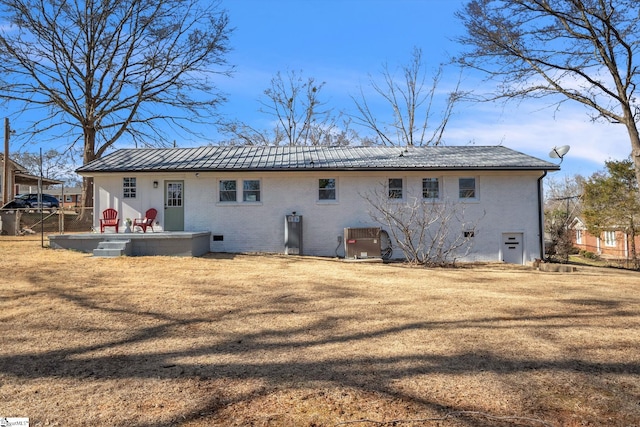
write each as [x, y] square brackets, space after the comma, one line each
[362, 242]
[10, 222]
[293, 234]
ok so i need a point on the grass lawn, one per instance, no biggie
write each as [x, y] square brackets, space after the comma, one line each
[252, 340]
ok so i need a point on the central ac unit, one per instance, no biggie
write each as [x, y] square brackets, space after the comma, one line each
[362, 242]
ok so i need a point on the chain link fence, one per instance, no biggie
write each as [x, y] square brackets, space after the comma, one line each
[24, 221]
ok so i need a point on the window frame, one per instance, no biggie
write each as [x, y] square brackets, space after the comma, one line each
[578, 236]
[322, 190]
[221, 191]
[438, 182]
[610, 239]
[392, 192]
[129, 187]
[246, 191]
[475, 188]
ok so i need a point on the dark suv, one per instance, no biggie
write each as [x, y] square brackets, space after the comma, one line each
[31, 201]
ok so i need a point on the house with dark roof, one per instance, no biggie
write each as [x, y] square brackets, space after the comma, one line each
[18, 180]
[245, 195]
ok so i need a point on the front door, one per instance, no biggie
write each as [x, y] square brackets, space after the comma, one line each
[174, 205]
[512, 251]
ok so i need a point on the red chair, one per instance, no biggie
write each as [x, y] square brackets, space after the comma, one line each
[147, 221]
[109, 219]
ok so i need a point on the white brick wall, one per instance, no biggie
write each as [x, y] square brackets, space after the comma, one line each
[507, 202]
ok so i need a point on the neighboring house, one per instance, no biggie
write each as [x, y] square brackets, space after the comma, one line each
[242, 194]
[69, 197]
[20, 181]
[612, 243]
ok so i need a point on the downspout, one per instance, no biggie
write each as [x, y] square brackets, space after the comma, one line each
[541, 216]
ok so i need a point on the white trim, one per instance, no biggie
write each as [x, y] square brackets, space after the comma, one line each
[476, 197]
[335, 190]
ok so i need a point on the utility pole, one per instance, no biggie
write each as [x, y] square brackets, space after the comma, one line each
[6, 179]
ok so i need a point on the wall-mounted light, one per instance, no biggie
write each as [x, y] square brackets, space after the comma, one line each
[155, 184]
[197, 174]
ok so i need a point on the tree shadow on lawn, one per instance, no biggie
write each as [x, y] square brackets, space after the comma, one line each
[373, 373]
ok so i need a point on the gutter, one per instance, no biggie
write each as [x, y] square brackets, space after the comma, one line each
[541, 215]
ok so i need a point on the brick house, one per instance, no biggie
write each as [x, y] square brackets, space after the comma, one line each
[71, 199]
[613, 244]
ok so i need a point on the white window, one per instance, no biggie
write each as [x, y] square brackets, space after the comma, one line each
[395, 188]
[579, 237]
[129, 188]
[327, 189]
[251, 190]
[609, 238]
[228, 191]
[430, 188]
[467, 188]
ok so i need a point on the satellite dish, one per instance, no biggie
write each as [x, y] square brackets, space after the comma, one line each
[559, 152]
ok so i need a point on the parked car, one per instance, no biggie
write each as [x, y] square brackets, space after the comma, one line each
[31, 201]
[14, 204]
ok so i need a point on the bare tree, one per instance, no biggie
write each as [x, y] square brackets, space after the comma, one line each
[54, 165]
[562, 206]
[578, 50]
[95, 70]
[428, 232]
[412, 103]
[299, 114]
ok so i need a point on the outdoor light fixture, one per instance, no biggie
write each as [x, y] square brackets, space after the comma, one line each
[155, 184]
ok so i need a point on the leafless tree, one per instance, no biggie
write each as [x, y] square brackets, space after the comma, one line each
[93, 71]
[412, 102]
[299, 114]
[578, 50]
[53, 164]
[428, 232]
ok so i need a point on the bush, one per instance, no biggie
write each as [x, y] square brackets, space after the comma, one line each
[588, 255]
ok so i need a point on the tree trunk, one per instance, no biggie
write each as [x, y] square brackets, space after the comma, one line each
[634, 137]
[635, 158]
[87, 182]
[634, 253]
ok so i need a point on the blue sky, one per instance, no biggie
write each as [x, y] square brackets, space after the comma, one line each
[343, 42]
[346, 42]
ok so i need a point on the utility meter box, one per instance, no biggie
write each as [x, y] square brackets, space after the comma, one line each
[361, 243]
[293, 234]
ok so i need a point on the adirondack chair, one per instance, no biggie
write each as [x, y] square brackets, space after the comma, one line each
[109, 219]
[147, 221]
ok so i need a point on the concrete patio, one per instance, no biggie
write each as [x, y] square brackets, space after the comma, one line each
[174, 243]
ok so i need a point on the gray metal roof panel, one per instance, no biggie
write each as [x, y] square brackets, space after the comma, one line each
[246, 158]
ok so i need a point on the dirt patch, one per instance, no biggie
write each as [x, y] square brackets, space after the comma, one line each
[282, 341]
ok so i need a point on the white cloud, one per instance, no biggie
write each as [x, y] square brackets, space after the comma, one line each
[536, 132]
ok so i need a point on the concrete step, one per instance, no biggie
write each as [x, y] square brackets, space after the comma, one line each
[108, 253]
[558, 268]
[113, 244]
[113, 248]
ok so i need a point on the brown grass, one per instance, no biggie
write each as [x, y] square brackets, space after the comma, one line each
[252, 340]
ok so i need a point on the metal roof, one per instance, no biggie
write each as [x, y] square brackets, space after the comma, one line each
[305, 158]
